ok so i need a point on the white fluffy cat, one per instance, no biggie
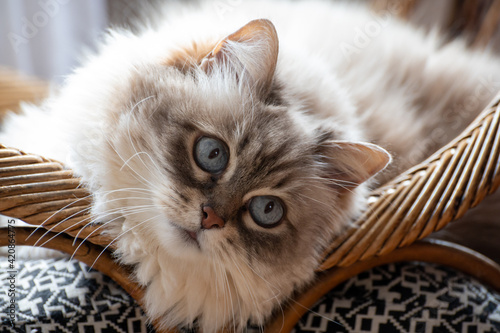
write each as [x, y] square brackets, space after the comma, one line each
[224, 147]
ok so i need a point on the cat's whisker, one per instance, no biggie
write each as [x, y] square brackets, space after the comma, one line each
[120, 235]
[128, 198]
[138, 103]
[137, 154]
[142, 179]
[127, 209]
[216, 292]
[109, 212]
[90, 234]
[76, 237]
[51, 216]
[332, 180]
[316, 313]
[128, 189]
[58, 233]
[92, 220]
[336, 182]
[288, 298]
[244, 253]
[60, 222]
[252, 296]
[252, 109]
[302, 195]
[69, 217]
[333, 183]
[225, 292]
[90, 217]
[220, 268]
[229, 293]
[135, 149]
[134, 174]
[142, 198]
[239, 301]
[269, 285]
[159, 172]
[132, 212]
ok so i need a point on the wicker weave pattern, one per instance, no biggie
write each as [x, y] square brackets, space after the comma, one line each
[427, 197]
[40, 191]
[420, 201]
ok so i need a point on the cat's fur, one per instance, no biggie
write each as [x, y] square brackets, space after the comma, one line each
[292, 116]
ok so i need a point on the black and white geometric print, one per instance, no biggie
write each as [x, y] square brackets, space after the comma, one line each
[58, 295]
[406, 297]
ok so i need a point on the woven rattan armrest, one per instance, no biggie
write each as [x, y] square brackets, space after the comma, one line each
[418, 202]
[412, 206]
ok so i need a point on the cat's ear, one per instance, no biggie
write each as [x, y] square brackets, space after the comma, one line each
[251, 52]
[349, 164]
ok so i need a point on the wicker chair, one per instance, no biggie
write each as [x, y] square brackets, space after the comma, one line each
[400, 214]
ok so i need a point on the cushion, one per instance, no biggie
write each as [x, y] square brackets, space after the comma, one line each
[406, 297]
[60, 295]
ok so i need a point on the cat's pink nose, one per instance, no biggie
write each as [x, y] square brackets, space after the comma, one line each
[210, 219]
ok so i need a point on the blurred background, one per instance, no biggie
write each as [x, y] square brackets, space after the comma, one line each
[47, 38]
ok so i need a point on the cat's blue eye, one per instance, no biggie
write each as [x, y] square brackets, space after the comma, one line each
[267, 211]
[211, 155]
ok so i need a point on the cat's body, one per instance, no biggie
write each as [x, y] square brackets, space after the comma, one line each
[287, 125]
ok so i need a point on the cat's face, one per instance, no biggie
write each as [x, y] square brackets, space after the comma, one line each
[219, 168]
[238, 175]
[231, 175]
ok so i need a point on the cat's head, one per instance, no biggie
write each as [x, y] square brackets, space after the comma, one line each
[219, 168]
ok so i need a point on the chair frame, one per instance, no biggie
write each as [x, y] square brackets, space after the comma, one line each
[399, 215]
[424, 199]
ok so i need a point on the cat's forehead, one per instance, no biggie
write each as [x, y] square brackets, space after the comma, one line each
[217, 105]
[264, 138]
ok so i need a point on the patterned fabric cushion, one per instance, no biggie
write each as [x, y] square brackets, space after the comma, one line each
[406, 297]
[58, 295]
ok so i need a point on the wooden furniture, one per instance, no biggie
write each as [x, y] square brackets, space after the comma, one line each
[418, 202]
[400, 214]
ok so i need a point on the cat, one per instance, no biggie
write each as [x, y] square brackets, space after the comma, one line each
[226, 150]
